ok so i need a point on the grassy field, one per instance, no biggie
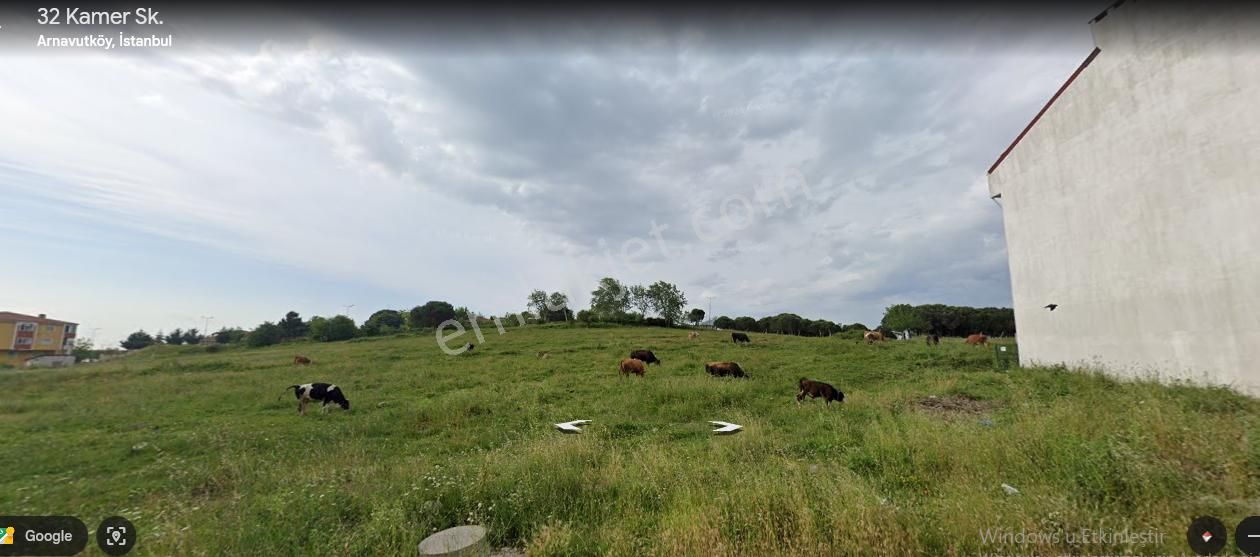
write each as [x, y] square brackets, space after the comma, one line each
[199, 452]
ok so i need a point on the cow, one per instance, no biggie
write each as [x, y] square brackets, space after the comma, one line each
[324, 393]
[645, 356]
[872, 336]
[693, 335]
[815, 389]
[544, 355]
[631, 365]
[724, 369]
[739, 337]
[300, 359]
[932, 339]
[977, 340]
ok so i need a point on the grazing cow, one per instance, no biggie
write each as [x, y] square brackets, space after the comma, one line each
[740, 337]
[320, 392]
[693, 335]
[817, 389]
[300, 359]
[977, 340]
[631, 365]
[933, 339]
[645, 356]
[724, 369]
[872, 336]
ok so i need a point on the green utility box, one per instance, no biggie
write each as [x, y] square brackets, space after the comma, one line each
[1006, 355]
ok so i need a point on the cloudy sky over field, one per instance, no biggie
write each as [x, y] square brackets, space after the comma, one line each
[242, 176]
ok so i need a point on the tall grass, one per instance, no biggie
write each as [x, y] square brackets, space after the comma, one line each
[197, 450]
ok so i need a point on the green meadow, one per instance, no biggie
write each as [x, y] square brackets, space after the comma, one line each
[205, 452]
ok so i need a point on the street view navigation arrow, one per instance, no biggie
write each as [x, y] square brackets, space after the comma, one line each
[726, 428]
[572, 427]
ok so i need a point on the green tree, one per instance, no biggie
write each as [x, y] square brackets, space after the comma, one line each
[695, 316]
[724, 322]
[266, 334]
[538, 303]
[292, 325]
[609, 298]
[83, 350]
[339, 327]
[745, 323]
[175, 337]
[558, 307]
[640, 299]
[137, 340]
[226, 335]
[667, 300]
[383, 322]
[430, 315]
[903, 317]
[193, 336]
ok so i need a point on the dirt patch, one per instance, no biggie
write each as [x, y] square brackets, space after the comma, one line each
[953, 405]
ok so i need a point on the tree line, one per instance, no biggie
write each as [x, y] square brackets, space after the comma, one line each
[953, 321]
[320, 329]
[657, 304]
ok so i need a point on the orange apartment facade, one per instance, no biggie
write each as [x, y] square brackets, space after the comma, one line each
[23, 337]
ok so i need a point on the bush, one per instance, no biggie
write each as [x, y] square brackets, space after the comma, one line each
[850, 334]
[657, 322]
[213, 348]
[332, 329]
[266, 334]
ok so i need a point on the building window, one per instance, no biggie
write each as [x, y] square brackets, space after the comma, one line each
[26, 327]
[45, 341]
[48, 328]
[69, 329]
[25, 341]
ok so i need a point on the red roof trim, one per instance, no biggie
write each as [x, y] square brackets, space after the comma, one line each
[1045, 108]
[6, 316]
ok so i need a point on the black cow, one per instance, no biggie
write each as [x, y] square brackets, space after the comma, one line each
[933, 339]
[739, 337]
[815, 389]
[320, 392]
[645, 356]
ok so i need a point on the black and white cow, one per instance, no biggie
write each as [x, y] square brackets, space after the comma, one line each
[320, 392]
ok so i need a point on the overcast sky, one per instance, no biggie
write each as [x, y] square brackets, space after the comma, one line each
[319, 165]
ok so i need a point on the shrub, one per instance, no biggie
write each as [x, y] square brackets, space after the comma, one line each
[266, 334]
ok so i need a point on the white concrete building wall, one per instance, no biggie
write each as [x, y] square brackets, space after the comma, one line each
[1134, 203]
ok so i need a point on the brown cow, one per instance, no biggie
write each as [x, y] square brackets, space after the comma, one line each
[693, 335]
[977, 340]
[631, 365]
[724, 369]
[815, 389]
[300, 359]
[871, 336]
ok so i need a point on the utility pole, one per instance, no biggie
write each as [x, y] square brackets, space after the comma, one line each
[205, 328]
[347, 312]
[710, 314]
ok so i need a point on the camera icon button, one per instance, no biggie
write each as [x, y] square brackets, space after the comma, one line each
[116, 535]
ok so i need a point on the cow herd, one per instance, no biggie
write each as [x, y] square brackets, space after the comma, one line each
[637, 362]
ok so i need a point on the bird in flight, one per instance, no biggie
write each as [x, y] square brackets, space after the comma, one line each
[1051, 306]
